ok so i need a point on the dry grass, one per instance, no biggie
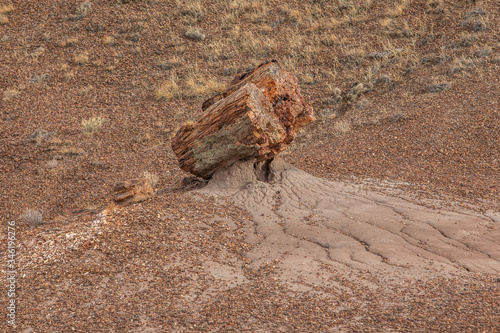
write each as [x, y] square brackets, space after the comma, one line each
[342, 127]
[85, 90]
[5, 9]
[167, 91]
[151, 178]
[193, 11]
[199, 85]
[83, 10]
[245, 10]
[195, 34]
[91, 125]
[37, 52]
[3, 20]
[399, 9]
[108, 40]
[33, 217]
[67, 42]
[81, 59]
[69, 76]
[435, 6]
[10, 94]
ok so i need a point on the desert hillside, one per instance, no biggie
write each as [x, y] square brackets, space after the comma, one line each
[407, 99]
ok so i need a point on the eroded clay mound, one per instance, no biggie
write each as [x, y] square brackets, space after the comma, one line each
[308, 225]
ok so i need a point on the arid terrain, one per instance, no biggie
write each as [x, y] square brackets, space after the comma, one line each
[382, 216]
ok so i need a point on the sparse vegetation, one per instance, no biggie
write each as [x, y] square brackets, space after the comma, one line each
[91, 125]
[10, 94]
[167, 91]
[33, 217]
[151, 178]
[438, 87]
[108, 40]
[197, 85]
[72, 41]
[195, 34]
[82, 10]
[82, 58]
[85, 90]
[342, 127]
[5, 9]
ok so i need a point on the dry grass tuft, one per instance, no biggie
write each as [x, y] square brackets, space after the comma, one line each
[37, 52]
[82, 58]
[5, 9]
[435, 6]
[85, 90]
[399, 9]
[195, 34]
[193, 11]
[33, 217]
[69, 42]
[201, 86]
[3, 19]
[151, 178]
[108, 40]
[10, 94]
[167, 91]
[342, 127]
[63, 68]
[91, 125]
[83, 10]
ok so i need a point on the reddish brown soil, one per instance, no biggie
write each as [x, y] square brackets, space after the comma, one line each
[182, 261]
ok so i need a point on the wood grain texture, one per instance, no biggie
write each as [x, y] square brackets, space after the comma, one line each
[258, 115]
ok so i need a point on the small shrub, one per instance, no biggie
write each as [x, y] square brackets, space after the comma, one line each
[6, 9]
[169, 64]
[167, 91]
[82, 59]
[476, 20]
[108, 40]
[33, 217]
[85, 90]
[91, 125]
[151, 178]
[195, 34]
[200, 86]
[399, 9]
[69, 42]
[435, 6]
[342, 127]
[10, 94]
[194, 11]
[437, 88]
[82, 10]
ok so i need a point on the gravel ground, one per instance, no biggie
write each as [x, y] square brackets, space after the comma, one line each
[425, 126]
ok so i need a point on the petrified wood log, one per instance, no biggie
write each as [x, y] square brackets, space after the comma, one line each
[132, 191]
[258, 115]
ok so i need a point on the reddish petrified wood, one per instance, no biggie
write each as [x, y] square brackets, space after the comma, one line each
[258, 115]
[132, 191]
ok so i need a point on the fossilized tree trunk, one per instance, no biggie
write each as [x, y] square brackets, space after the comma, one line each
[258, 115]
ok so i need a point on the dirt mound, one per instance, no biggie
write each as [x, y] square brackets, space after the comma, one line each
[307, 223]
